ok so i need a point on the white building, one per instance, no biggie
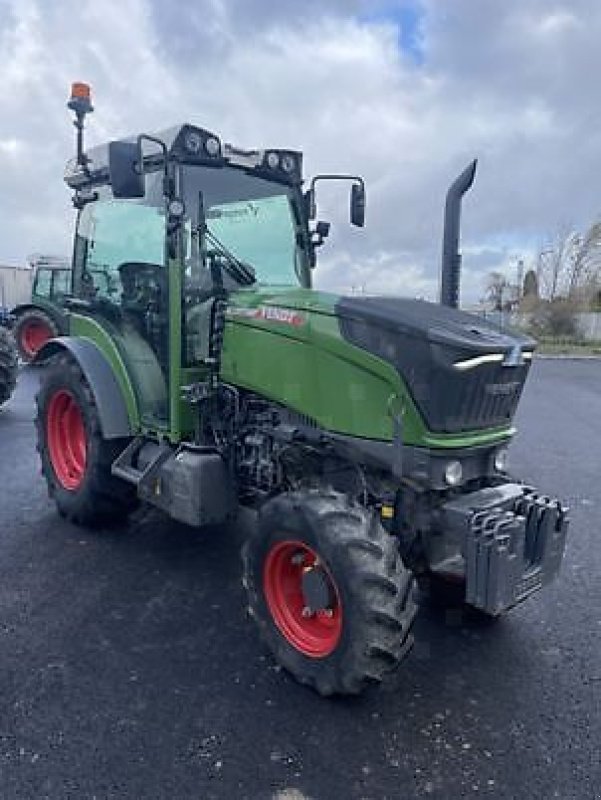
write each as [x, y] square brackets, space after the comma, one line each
[15, 285]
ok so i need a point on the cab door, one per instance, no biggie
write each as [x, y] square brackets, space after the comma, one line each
[121, 275]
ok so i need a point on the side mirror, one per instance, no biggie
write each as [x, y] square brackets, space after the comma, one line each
[322, 229]
[126, 169]
[358, 204]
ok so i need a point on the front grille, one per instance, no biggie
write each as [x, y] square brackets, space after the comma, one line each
[484, 397]
[450, 401]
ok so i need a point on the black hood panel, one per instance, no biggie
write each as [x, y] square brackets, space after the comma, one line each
[424, 341]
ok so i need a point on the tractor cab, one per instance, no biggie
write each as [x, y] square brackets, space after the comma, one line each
[168, 225]
[221, 220]
[163, 232]
[42, 316]
[52, 278]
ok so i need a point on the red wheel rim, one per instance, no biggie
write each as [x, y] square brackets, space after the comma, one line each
[316, 635]
[34, 336]
[66, 436]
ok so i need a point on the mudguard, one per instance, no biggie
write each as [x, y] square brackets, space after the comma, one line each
[112, 409]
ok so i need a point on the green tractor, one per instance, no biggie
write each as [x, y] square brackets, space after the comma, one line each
[44, 316]
[205, 374]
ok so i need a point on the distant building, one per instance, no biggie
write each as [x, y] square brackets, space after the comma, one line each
[15, 285]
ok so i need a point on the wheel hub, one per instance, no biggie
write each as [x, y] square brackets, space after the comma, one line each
[66, 438]
[317, 590]
[34, 336]
[303, 599]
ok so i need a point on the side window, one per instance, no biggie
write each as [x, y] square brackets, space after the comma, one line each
[61, 285]
[118, 232]
[43, 282]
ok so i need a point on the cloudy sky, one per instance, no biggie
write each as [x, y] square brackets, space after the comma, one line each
[405, 92]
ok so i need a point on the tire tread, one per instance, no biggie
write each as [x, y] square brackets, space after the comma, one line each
[383, 605]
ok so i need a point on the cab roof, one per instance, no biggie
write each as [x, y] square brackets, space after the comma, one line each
[189, 143]
[40, 261]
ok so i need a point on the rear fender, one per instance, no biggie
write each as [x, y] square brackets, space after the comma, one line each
[115, 419]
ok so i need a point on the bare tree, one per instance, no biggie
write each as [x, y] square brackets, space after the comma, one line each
[497, 287]
[553, 262]
[563, 266]
[585, 275]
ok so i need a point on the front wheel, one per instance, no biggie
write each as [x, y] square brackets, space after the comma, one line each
[329, 591]
[76, 459]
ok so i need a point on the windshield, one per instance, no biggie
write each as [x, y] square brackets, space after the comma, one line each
[254, 219]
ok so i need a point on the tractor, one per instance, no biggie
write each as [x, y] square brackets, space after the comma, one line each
[43, 316]
[204, 374]
[8, 364]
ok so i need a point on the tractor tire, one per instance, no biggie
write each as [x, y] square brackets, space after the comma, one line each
[76, 460]
[33, 329]
[8, 365]
[329, 591]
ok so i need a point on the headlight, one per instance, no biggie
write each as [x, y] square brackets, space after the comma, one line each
[193, 142]
[212, 146]
[453, 473]
[501, 460]
[273, 160]
[288, 163]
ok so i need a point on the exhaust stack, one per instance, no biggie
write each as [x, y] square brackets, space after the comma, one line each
[451, 257]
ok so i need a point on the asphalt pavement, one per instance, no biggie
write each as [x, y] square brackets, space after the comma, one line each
[129, 669]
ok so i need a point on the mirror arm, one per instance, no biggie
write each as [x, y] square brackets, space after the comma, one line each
[146, 137]
[333, 177]
[173, 225]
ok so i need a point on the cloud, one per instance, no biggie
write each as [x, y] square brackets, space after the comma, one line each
[507, 82]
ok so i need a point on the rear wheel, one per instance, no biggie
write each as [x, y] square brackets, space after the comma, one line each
[328, 591]
[32, 330]
[8, 365]
[76, 460]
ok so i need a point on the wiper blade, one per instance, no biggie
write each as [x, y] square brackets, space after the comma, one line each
[240, 271]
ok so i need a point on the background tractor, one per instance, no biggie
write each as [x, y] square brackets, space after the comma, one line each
[43, 316]
[8, 364]
[203, 373]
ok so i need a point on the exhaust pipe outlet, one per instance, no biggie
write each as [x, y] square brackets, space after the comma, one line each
[451, 257]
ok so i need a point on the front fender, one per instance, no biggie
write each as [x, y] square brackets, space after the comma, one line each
[115, 421]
